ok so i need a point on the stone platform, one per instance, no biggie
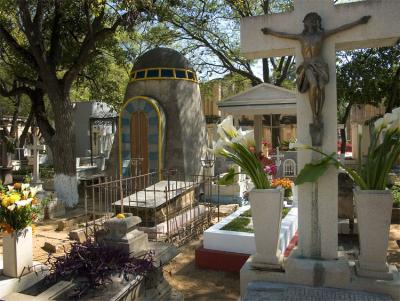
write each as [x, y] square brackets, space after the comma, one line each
[269, 291]
[9, 285]
[339, 273]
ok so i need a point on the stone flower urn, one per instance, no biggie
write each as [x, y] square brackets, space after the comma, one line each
[266, 210]
[17, 252]
[374, 211]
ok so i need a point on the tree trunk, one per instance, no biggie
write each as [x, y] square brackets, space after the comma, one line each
[343, 140]
[61, 141]
[63, 147]
[265, 67]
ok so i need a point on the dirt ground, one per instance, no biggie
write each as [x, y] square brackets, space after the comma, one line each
[197, 284]
[181, 272]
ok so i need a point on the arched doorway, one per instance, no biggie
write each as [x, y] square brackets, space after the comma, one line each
[142, 136]
[139, 143]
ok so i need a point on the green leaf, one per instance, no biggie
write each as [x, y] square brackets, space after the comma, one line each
[312, 171]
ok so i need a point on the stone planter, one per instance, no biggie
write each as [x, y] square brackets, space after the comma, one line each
[266, 209]
[17, 252]
[374, 211]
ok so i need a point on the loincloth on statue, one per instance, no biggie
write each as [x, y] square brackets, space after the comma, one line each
[319, 69]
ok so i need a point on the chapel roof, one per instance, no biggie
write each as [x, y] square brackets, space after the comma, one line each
[161, 57]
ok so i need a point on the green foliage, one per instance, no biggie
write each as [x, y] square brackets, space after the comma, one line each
[209, 31]
[383, 151]
[367, 76]
[312, 171]
[46, 171]
[396, 195]
[228, 178]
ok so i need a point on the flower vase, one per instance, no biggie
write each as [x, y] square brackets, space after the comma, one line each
[266, 209]
[17, 252]
[374, 209]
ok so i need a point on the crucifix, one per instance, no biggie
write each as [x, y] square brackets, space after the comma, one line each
[316, 80]
[36, 147]
[278, 157]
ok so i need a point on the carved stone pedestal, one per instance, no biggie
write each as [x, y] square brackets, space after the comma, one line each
[122, 234]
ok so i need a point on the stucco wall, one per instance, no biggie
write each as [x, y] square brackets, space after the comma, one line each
[185, 137]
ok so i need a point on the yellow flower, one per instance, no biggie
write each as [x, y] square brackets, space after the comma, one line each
[14, 198]
[120, 215]
[5, 202]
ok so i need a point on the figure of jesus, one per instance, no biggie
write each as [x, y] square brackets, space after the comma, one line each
[313, 72]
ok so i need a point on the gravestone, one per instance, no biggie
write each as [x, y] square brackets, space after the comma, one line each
[317, 249]
[36, 147]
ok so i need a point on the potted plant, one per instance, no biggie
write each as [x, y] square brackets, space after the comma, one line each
[266, 203]
[19, 207]
[373, 200]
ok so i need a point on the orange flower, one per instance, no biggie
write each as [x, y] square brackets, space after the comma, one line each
[17, 186]
[6, 228]
[34, 201]
[284, 182]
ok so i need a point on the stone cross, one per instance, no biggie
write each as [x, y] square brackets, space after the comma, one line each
[278, 157]
[383, 29]
[36, 148]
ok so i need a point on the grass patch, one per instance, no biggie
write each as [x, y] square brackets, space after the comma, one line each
[247, 213]
[239, 224]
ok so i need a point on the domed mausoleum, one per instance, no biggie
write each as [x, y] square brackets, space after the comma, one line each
[161, 122]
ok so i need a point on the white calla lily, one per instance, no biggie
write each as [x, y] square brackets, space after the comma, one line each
[395, 126]
[24, 186]
[33, 191]
[23, 203]
[379, 124]
[11, 207]
[388, 118]
[298, 145]
[10, 188]
[396, 112]
[25, 193]
[226, 126]
[244, 137]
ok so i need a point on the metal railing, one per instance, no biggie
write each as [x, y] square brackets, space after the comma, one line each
[173, 207]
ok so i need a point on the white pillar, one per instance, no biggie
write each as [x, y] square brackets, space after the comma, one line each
[258, 131]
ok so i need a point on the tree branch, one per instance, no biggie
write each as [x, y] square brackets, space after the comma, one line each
[17, 48]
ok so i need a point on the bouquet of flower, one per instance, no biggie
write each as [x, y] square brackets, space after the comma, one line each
[382, 153]
[238, 146]
[285, 183]
[19, 207]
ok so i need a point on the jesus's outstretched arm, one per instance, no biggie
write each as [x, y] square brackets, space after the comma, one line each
[279, 34]
[362, 20]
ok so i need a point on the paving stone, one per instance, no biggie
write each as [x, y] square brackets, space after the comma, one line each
[269, 291]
